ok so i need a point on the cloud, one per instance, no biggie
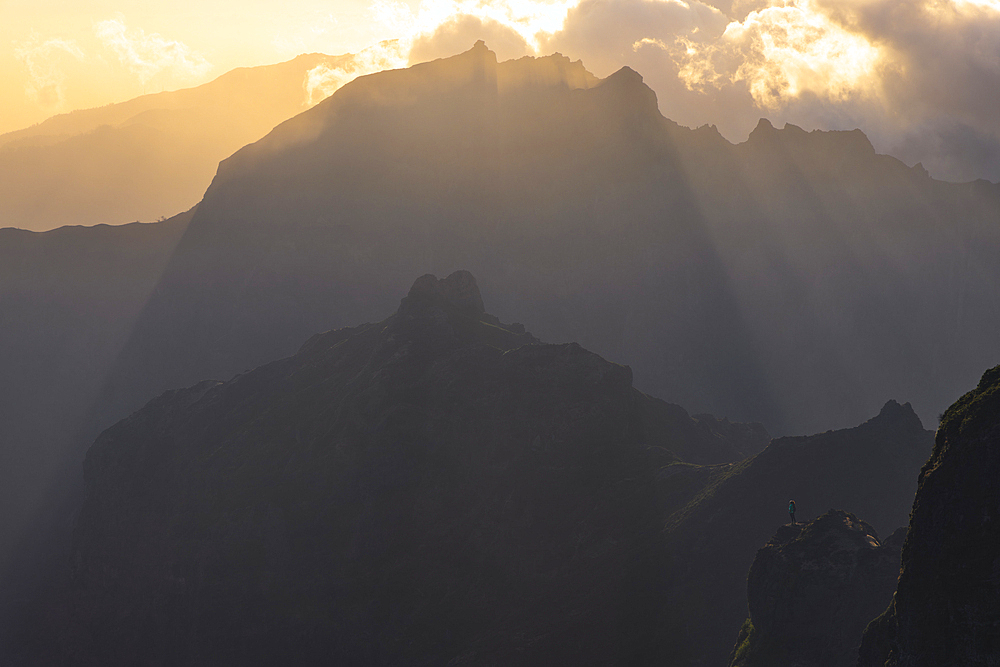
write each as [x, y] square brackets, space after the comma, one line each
[44, 62]
[147, 55]
[944, 56]
[607, 34]
[324, 79]
[782, 52]
[920, 77]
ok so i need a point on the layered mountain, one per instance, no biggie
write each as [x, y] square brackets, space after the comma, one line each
[812, 590]
[147, 158]
[435, 488]
[798, 279]
[946, 609]
[869, 470]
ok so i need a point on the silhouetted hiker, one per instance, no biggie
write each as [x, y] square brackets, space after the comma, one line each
[791, 510]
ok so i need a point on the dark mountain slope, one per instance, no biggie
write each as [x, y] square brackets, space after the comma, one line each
[781, 280]
[146, 158]
[437, 488]
[946, 610]
[870, 470]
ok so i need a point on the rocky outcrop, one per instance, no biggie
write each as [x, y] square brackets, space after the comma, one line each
[870, 469]
[812, 590]
[946, 610]
[436, 488]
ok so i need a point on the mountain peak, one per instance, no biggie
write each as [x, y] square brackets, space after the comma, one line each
[626, 73]
[892, 407]
[459, 291]
[763, 125]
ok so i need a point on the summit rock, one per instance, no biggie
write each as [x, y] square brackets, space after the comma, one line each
[812, 590]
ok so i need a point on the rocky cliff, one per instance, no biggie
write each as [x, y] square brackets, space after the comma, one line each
[811, 591]
[946, 610]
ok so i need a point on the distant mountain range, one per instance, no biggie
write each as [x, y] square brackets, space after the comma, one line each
[147, 158]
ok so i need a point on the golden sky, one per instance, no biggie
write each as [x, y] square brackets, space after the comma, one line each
[921, 77]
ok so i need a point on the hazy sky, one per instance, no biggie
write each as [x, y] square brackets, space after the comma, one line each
[921, 77]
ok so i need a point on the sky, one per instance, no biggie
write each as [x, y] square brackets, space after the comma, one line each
[920, 77]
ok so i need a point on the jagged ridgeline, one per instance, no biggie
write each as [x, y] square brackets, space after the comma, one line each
[441, 488]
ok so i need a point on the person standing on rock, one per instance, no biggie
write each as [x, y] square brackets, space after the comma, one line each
[791, 510]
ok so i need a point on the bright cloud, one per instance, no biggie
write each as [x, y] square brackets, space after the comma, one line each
[147, 55]
[529, 20]
[782, 52]
[44, 61]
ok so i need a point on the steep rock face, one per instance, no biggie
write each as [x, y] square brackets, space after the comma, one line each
[811, 591]
[437, 488]
[946, 610]
[870, 469]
